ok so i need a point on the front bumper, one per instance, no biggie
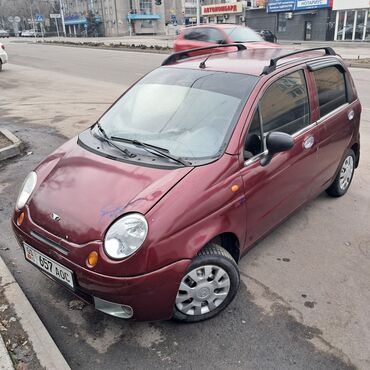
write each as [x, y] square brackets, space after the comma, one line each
[151, 296]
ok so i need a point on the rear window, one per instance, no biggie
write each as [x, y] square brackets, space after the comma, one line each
[242, 34]
[331, 89]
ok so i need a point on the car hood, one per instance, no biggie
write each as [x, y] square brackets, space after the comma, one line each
[88, 192]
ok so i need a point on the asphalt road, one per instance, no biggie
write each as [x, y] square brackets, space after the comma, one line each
[308, 311]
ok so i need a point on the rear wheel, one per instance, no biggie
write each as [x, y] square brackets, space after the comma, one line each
[210, 284]
[344, 177]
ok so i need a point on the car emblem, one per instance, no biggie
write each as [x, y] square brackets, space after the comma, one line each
[55, 217]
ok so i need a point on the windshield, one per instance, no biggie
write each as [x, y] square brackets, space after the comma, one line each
[190, 113]
[243, 34]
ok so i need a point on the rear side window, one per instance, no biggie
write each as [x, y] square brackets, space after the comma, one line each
[331, 89]
[215, 36]
[285, 106]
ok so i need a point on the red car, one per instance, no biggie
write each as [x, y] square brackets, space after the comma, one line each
[147, 213]
[219, 34]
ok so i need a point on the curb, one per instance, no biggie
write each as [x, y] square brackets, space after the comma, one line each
[358, 65]
[44, 346]
[5, 361]
[10, 150]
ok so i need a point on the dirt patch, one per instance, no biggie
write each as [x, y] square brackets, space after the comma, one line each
[15, 338]
[4, 141]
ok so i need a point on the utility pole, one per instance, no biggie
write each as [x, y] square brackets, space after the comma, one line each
[116, 16]
[33, 21]
[62, 16]
[198, 12]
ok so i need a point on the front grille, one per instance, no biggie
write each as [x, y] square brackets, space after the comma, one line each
[49, 242]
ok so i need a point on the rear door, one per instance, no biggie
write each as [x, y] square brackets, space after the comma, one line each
[338, 118]
[274, 191]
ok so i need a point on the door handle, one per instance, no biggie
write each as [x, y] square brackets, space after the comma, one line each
[351, 115]
[308, 142]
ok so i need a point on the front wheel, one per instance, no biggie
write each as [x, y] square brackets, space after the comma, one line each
[344, 177]
[210, 284]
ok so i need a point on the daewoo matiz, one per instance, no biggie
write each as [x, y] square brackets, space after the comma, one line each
[147, 213]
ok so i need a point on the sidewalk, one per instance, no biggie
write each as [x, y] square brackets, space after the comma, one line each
[27, 324]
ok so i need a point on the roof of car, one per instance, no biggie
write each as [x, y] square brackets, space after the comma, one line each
[216, 25]
[250, 61]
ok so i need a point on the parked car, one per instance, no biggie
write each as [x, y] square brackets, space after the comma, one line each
[4, 33]
[3, 56]
[13, 33]
[147, 213]
[218, 34]
[267, 35]
[31, 33]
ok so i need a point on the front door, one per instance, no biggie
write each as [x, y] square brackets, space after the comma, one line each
[308, 30]
[274, 191]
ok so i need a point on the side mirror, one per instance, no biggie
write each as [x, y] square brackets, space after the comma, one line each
[276, 142]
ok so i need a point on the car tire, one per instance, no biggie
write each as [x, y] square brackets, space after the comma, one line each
[343, 180]
[216, 282]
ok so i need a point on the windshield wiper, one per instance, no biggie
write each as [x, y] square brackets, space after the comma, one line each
[107, 139]
[153, 149]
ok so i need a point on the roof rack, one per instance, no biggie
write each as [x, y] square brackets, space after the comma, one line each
[173, 58]
[273, 62]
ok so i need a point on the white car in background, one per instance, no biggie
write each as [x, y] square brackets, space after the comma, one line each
[3, 56]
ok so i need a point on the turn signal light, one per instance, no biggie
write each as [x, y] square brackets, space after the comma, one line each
[20, 219]
[234, 188]
[92, 259]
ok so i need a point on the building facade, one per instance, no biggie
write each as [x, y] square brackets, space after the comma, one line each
[289, 19]
[232, 12]
[127, 17]
[352, 20]
[294, 19]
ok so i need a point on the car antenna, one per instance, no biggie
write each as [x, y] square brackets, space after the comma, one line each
[203, 64]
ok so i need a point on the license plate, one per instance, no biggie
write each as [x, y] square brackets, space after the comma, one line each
[48, 265]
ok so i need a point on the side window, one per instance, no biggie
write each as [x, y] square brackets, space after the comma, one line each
[195, 34]
[254, 143]
[285, 106]
[215, 36]
[331, 89]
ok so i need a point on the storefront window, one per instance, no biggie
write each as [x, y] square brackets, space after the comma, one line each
[353, 25]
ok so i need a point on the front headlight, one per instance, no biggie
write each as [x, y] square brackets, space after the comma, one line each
[27, 188]
[126, 236]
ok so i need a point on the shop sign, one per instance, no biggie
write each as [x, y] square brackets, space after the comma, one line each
[292, 5]
[353, 4]
[228, 8]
